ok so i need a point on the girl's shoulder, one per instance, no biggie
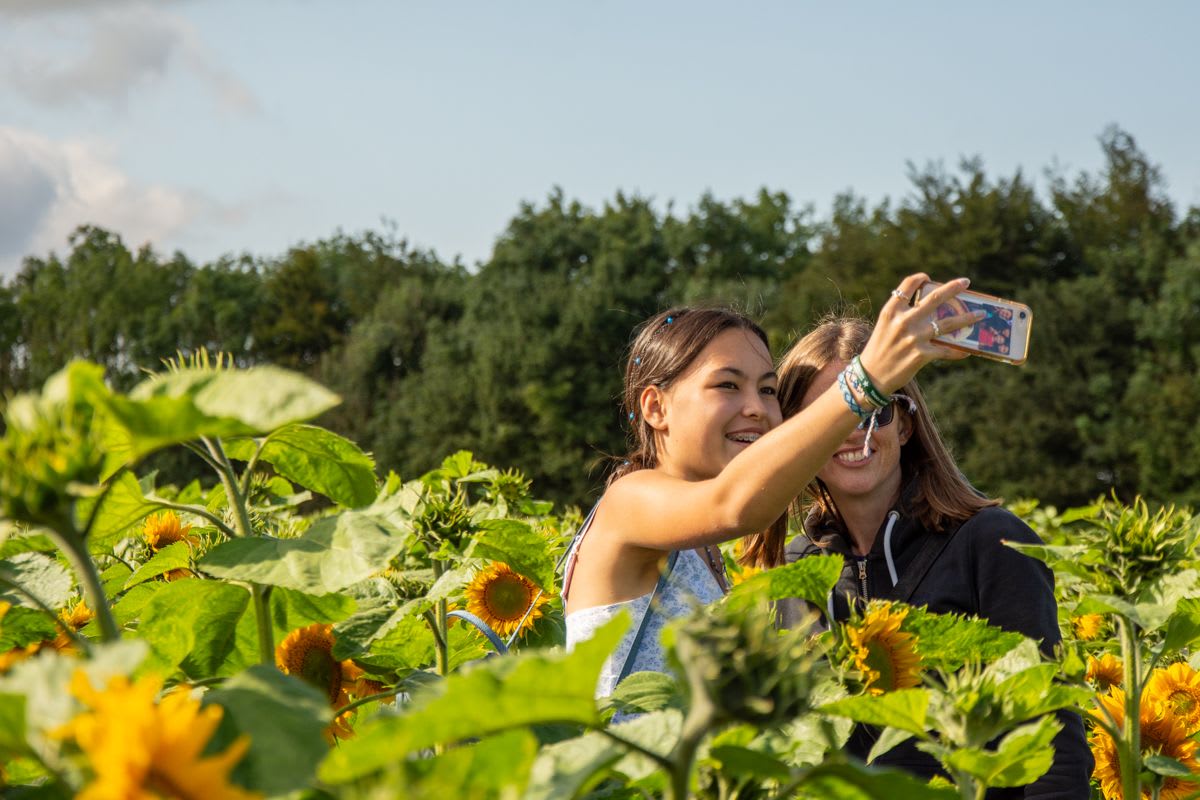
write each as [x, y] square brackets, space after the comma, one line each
[996, 525]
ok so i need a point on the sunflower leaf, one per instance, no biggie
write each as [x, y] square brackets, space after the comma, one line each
[333, 554]
[316, 459]
[38, 575]
[496, 694]
[497, 766]
[809, 579]
[177, 555]
[12, 725]
[284, 718]
[518, 545]
[122, 507]
[1183, 626]
[850, 781]
[22, 626]
[953, 640]
[191, 624]
[1166, 766]
[563, 768]
[904, 709]
[1022, 756]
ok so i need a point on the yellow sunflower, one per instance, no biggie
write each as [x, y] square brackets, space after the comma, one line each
[1162, 734]
[886, 655]
[165, 528]
[1105, 672]
[142, 749]
[307, 653]
[1087, 626]
[76, 616]
[1178, 688]
[500, 597]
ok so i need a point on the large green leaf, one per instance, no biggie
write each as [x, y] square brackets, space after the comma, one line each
[190, 624]
[316, 459]
[495, 767]
[947, 641]
[336, 552]
[850, 781]
[905, 709]
[645, 691]
[566, 768]
[1158, 600]
[746, 762]
[12, 725]
[284, 718]
[22, 626]
[518, 545]
[809, 579]
[38, 575]
[1183, 626]
[497, 694]
[122, 507]
[177, 555]
[1022, 757]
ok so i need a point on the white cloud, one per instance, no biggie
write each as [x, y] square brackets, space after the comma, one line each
[48, 188]
[68, 58]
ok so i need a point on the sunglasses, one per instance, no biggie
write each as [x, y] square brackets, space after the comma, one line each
[884, 416]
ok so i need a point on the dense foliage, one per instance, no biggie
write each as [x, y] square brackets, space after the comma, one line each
[518, 360]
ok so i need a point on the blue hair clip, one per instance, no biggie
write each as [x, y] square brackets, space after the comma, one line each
[631, 415]
[670, 320]
[637, 361]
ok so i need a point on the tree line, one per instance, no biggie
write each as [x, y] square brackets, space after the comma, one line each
[519, 360]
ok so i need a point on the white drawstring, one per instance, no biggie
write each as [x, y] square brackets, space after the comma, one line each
[887, 546]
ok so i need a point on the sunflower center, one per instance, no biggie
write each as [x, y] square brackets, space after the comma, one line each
[882, 659]
[1183, 702]
[320, 669]
[507, 597]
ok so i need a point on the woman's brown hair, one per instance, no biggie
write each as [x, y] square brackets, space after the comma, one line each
[941, 495]
[662, 350]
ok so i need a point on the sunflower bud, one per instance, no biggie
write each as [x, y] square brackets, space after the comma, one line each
[751, 671]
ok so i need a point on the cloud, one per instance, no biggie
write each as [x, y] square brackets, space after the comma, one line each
[68, 58]
[49, 188]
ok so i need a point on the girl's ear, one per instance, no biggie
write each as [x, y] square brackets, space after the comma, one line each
[906, 425]
[653, 406]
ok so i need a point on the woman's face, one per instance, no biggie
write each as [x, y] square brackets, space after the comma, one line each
[717, 408]
[851, 476]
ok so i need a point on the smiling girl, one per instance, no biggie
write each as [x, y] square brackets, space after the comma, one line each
[712, 460]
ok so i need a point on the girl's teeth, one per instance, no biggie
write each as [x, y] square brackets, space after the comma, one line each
[853, 457]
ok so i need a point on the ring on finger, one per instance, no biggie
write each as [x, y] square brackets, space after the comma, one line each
[937, 330]
[902, 296]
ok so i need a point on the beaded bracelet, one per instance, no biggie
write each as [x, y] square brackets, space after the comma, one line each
[848, 396]
[873, 395]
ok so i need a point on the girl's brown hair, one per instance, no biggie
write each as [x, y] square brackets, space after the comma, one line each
[662, 350]
[941, 495]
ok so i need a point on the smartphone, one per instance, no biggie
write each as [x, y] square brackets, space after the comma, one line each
[1002, 335]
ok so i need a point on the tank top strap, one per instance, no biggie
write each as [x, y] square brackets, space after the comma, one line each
[573, 550]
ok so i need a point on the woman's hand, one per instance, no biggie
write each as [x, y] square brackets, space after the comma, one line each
[902, 341]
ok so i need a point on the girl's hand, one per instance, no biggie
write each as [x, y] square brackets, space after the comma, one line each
[902, 340]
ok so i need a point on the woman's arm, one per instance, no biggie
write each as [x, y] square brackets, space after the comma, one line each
[657, 511]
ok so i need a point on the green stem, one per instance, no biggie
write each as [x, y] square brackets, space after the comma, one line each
[241, 520]
[199, 511]
[1130, 748]
[438, 621]
[75, 550]
[262, 615]
[388, 695]
[250, 465]
[700, 718]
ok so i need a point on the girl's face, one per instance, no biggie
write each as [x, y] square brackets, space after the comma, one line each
[849, 474]
[717, 408]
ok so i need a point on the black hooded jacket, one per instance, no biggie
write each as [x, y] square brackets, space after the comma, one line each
[975, 573]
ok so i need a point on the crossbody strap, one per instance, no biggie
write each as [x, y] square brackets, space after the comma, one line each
[641, 629]
[932, 548]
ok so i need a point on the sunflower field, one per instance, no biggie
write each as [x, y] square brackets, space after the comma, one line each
[291, 624]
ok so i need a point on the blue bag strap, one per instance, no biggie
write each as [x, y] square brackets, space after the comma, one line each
[483, 627]
[641, 631]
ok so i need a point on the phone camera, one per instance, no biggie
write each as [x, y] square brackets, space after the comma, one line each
[1022, 315]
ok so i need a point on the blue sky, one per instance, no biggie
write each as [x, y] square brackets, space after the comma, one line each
[222, 127]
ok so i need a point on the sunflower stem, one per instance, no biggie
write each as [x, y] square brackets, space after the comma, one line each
[701, 716]
[262, 615]
[1131, 747]
[74, 548]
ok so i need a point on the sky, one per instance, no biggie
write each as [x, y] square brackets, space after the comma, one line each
[217, 127]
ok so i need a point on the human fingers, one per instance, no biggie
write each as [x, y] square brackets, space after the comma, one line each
[940, 327]
[931, 300]
[902, 295]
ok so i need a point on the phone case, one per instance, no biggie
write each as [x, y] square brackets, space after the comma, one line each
[1007, 324]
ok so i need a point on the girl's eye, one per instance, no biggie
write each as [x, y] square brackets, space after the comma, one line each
[727, 385]
[768, 390]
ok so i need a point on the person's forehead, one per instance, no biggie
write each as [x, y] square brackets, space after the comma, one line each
[736, 348]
